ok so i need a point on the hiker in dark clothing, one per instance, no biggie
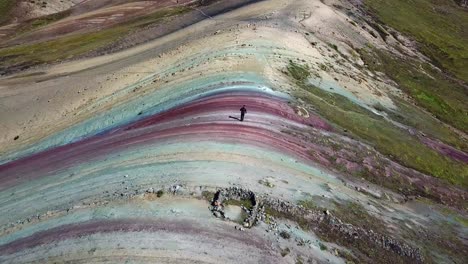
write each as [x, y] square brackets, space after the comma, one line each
[243, 112]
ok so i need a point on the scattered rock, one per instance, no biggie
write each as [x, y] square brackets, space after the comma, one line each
[284, 234]
[175, 188]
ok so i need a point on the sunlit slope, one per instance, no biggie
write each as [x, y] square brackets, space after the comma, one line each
[127, 156]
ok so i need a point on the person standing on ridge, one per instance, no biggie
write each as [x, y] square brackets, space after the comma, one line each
[243, 111]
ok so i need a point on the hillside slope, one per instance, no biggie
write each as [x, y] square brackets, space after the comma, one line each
[121, 139]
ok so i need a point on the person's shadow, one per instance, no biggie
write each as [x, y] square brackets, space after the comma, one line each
[236, 118]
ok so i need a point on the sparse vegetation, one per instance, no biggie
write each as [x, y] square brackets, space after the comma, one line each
[428, 87]
[357, 215]
[299, 260]
[159, 193]
[244, 202]
[75, 45]
[323, 67]
[364, 251]
[43, 21]
[350, 212]
[298, 72]
[415, 117]
[308, 204]
[65, 47]
[384, 136]
[440, 27]
[5, 9]
[267, 183]
[462, 220]
[444, 241]
[333, 46]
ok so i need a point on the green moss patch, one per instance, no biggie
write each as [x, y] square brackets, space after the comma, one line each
[298, 72]
[65, 47]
